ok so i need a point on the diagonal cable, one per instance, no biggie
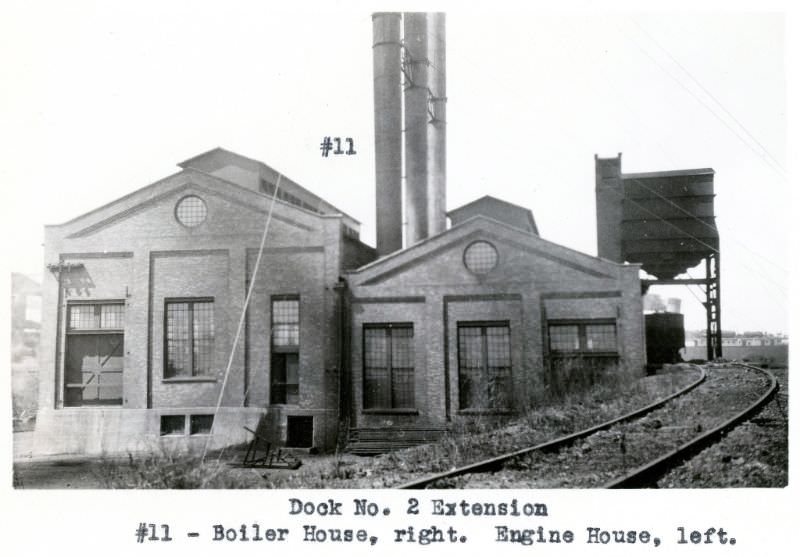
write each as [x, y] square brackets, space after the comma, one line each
[711, 95]
[244, 313]
[705, 105]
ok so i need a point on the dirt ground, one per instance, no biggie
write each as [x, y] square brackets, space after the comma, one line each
[93, 473]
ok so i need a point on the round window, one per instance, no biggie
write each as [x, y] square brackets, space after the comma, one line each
[191, 211]
[480, 257]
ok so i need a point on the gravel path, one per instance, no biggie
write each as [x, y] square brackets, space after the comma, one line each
[755, 454]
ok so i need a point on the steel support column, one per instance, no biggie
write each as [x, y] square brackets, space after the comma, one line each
[713, 308]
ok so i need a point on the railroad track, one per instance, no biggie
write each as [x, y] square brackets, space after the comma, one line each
[644, 444]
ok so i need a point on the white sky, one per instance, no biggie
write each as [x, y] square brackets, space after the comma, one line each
[100, 100]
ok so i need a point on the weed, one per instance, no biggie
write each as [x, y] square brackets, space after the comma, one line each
[164, 470]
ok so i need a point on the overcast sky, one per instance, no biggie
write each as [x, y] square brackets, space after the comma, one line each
[98, 101]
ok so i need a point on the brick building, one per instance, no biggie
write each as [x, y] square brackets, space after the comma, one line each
[143, 300]
[483, 319]
[144, 297]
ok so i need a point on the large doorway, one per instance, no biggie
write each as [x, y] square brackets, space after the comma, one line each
[95, 355]
[94, 370]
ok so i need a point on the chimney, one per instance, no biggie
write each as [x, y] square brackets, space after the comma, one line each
[609, 194]
[415, 98]
[437, 144]
[410, 124]
[387, 71]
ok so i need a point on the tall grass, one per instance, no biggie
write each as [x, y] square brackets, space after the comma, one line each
[165, 470]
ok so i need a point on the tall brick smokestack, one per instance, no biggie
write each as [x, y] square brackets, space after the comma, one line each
[387, 72]
[415, 105]
[410, 97]
[437, 144]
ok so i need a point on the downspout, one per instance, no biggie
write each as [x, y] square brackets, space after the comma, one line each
[343, 346]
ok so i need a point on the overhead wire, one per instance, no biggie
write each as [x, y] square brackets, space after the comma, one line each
[580, 139]
[705, 105]
[710, 94]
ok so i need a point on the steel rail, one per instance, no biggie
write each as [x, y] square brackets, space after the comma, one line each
[496, 463]
[649, 474]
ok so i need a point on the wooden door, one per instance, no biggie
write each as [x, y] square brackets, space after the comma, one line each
[93, 370]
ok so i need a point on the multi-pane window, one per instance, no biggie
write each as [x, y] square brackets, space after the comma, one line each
[285, 322]
[96, 316]
[579, 337]
[191, 211]
[284, 372]
[484, 366]
[581, 352]
[480, 257]
[389, 366]
[189, 338]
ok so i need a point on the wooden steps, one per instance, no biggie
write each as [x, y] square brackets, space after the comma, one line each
[378, 440]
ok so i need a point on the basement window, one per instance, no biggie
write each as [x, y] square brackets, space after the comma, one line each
[200, 424]
[173, 425]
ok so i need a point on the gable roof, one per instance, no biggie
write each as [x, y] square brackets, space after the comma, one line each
[262, 178]
[497, 209]
[481, 225]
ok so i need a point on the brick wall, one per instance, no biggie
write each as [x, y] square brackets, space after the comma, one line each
[430, 287]
[134, 250]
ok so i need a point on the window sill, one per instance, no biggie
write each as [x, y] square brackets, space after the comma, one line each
[95, 331]
[485, 412]
[584, 354]
[409, 411]
[92, 407]
[198, 379]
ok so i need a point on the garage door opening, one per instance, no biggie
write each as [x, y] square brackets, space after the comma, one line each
[95, 355]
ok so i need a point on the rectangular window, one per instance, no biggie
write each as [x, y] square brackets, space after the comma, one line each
[583, 337]
[173, 425]
[389, 366]
[200, 424]
[96, 316]
[581, 352]
[189, 338]
[284, 371]
[484, 366]
[564, 338]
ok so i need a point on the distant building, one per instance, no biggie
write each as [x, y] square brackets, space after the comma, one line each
[26, 315]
